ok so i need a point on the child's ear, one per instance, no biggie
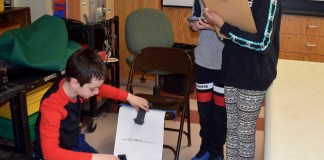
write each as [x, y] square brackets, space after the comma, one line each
[74, 83]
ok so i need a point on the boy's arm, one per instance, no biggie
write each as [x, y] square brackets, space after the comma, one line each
[108, 91]
[118, 94]
[51, 116]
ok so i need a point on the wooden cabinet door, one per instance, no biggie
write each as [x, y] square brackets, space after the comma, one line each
[291, 24]
[317, 58]
[301, 44]
[21, 17]
[313, 45]
[295, 56]
[301, 57]
[291, 43]
[302, 38]
[313, 26]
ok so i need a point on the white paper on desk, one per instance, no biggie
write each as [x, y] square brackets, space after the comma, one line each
[139, 142]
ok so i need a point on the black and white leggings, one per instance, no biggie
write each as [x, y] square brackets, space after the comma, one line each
[242, 107]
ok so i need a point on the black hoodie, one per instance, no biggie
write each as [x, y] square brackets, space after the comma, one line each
[250, 59]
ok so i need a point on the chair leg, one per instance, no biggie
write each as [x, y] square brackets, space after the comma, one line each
[131, 89]
[171, 148]
[91, 127]
[156, 89]
[180, 135]
[188, 123]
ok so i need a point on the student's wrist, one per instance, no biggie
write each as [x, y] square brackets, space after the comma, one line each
[129, 97]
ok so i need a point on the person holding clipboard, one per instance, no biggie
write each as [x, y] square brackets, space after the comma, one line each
[210, 93]
[248, 68]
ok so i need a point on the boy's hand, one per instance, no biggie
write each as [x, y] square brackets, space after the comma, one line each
[193, 26]
[201, 25]
[138, 102]
[104, 157]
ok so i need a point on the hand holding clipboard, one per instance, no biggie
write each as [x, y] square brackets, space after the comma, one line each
[241, 17]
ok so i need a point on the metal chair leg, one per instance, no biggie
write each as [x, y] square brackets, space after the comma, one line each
[91, 127]
[180, 135]
[156, 88]
[188, 123]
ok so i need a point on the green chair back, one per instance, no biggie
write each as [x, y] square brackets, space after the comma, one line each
[148, 27]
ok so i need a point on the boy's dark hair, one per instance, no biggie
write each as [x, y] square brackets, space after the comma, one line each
[84, 65]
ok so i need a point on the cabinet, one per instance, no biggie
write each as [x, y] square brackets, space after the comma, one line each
[14, 17]
[302, 38]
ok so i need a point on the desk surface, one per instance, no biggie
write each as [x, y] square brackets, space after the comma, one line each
[294, 112]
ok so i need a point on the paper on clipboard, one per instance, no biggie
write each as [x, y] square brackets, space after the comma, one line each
[234, 12]
[139, 142]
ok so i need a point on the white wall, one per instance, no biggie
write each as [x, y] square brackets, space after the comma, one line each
[37, 7]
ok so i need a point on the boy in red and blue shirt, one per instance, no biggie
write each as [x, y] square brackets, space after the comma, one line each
[57, 127]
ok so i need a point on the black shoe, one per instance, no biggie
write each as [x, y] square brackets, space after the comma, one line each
[215, 157]
[216, 154]
[201, 155]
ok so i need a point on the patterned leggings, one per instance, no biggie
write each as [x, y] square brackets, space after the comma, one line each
[242, 107]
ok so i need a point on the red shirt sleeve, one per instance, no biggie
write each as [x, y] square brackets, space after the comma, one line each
[51, 115]
[112, 92]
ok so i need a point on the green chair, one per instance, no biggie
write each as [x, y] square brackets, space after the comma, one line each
[148, 27]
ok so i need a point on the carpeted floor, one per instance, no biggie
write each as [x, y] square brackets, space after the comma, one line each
[104, 136]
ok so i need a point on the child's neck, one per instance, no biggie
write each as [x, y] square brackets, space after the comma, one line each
[69, 91]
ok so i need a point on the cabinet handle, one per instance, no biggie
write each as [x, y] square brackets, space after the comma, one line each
[290, 18]
[310, 45]
[315, 27]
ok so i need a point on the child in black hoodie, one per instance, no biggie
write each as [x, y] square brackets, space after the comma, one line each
[248, 67]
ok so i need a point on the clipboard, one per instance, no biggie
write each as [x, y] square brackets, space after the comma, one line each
[241, 17]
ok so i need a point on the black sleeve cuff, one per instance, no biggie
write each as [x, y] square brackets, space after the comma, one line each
[225, 29]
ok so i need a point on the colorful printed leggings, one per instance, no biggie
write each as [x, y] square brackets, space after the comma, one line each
[242, 107]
